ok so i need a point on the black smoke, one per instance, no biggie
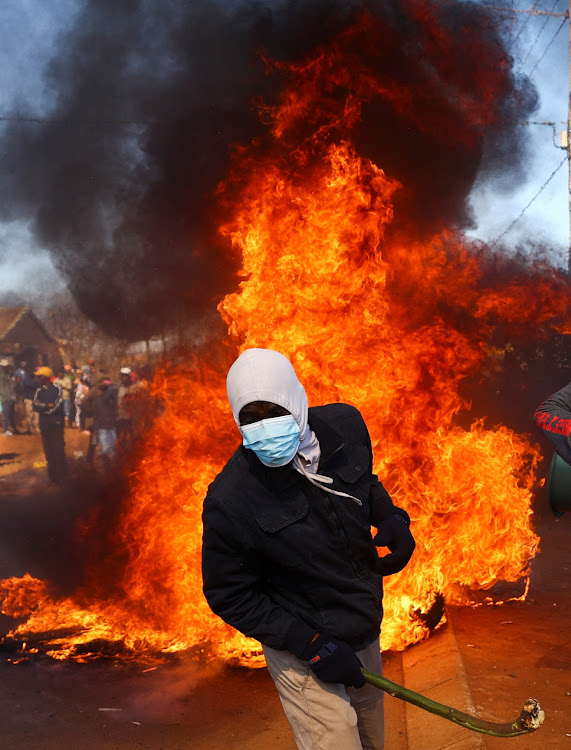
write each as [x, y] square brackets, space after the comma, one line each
[152, 96]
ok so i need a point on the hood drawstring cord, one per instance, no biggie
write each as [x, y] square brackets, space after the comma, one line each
[319, 480]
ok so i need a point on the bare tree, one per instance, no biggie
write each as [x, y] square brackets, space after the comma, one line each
[80, 339]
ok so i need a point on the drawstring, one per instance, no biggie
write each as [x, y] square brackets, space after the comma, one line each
[319, 480]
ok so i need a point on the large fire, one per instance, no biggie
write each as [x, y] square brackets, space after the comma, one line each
[322, 283]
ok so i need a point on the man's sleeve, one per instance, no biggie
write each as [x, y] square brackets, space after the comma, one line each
[553, 418]
[233, 587]
[37, 405]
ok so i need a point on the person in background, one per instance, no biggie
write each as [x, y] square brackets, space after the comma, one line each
[48, 403]
[81, 391]
[88, 370]
[123, 416]
[8, 398]
[64, 382]
[132, 405]
[88, 412]
[105, 421]
[75, 410]
[20, 408]
[74, 382]
[30, 385]
[19, 374]
[553, 418]
[288, 556]
[68, 393]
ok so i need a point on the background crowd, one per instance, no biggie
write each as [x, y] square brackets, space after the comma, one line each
[112, 415]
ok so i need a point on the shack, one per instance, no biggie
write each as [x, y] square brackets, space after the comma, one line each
[23, 338]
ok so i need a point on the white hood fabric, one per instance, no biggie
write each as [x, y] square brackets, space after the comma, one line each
[266, 375]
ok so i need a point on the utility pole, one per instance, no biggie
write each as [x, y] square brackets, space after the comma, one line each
[567, 144]
[565, 140]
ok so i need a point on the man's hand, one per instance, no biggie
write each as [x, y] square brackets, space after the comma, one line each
[395, 534]
[334, 661]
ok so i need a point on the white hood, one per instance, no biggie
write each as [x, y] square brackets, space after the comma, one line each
[266, 375]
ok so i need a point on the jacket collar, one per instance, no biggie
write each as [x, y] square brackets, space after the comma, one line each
[330, 441]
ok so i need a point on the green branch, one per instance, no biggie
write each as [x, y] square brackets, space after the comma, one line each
[530, 718]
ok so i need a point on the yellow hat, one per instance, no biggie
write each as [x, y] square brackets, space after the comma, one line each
[44, 371]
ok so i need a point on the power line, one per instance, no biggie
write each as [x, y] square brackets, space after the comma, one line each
[519, 33]
[541, 189]
[548, 46]
[530, 11]
[551, 125]
[544, 24]
[74, 121]
[87, 121]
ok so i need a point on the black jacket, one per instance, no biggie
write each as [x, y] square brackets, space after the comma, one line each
[283, 559]
[28, 386]
[48, 401]
[105, 411]
[553, 417]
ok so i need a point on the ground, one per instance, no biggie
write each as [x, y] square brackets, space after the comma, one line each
[523, 649]
[510, 652]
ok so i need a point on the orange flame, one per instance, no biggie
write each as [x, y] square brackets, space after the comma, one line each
[359, 318]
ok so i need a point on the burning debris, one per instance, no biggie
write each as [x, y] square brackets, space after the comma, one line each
[434, 613]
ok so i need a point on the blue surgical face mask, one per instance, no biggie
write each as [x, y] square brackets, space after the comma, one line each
[274, 441]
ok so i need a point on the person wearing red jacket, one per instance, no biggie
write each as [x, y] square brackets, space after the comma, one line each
[553, 418]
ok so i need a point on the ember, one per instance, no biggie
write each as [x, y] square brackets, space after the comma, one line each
[367, 315]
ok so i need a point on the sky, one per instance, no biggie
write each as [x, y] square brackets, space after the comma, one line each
[29, 33]
[543, 51]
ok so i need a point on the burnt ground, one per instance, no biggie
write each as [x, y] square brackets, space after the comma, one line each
[510, 652]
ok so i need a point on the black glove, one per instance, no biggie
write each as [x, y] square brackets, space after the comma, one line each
[394, 534]
[334, 661]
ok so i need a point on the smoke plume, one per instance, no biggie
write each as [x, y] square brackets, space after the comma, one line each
[152, 96]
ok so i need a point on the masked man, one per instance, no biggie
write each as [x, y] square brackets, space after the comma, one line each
[48, 403]
[288, 556]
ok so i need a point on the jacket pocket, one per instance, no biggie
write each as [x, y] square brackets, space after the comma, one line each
[280, 523]
[352, 474]
[278, 516]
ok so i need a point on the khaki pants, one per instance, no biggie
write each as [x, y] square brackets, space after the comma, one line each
[32, 417]
[327, 716]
